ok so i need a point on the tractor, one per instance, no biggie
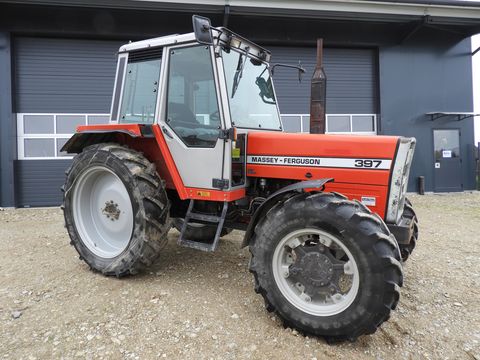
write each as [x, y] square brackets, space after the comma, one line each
[196, 142]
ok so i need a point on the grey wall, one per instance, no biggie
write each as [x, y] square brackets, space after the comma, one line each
[38, 182]
[351, 79]
[64, 75]
[7, 127]
[431, 72]
[55, 76]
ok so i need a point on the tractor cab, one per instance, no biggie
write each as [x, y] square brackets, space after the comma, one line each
[200, 92]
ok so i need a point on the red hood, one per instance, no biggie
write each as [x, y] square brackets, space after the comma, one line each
[280, 143]
[359, 165]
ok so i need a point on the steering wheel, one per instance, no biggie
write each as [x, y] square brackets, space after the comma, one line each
[187, 124]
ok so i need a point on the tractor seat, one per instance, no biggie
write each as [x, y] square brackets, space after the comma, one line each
[181, 112]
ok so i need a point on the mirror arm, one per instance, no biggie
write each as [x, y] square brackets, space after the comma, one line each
[298, 67]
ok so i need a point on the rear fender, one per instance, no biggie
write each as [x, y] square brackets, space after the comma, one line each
[90, 135]
[273, 199]
[141, 137]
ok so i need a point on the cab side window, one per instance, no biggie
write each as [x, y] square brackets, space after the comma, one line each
[140, 89]
[192, 107]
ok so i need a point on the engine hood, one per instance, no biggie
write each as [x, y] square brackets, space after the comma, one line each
[346, 158]
[361, 166]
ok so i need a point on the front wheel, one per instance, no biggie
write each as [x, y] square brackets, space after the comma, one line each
[326, 266]
[407, 250]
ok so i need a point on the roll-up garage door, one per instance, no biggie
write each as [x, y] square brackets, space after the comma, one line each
[59, 84]
[351, 80]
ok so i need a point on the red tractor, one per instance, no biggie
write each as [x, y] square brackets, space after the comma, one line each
[196, 141]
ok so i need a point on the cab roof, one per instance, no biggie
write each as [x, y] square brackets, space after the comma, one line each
[157, 42]
[223, 36]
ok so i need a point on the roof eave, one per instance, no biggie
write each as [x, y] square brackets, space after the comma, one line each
[415, 8]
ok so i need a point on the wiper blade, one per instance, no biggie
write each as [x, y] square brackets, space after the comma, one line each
[239, 71]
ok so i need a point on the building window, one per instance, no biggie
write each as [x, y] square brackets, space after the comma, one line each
[339, 124]
[292, 123]
[358, 124]
[296, 122]
[41, 136]
[363, 123]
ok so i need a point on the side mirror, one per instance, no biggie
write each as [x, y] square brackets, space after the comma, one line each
[202, 30]
[266, 90]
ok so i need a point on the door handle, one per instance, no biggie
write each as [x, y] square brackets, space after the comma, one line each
[166, 132]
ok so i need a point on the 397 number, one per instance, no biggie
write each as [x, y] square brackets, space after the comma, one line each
[367, 163]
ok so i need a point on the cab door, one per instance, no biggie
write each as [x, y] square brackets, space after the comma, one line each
[192, 117]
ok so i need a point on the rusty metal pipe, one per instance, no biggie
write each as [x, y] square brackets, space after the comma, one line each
[319, 53]
[318, 94]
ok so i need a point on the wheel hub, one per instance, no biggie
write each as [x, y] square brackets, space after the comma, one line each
[102, 211]
[315, 268]
[111, 210]
[315, 272]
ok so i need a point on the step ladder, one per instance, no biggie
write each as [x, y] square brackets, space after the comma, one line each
[204, 219]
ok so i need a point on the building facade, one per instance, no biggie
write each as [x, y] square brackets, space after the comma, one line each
[393, 68]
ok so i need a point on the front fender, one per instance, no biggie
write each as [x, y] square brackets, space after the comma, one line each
[277, 196]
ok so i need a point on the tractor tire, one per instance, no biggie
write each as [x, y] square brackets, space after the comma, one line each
[326, 265]
[406, 250]
[199, 232]
[116, 209]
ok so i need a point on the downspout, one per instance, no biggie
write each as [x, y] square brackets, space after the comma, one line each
[226, 14]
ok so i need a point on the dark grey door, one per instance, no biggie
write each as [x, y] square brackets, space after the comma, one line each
[448, 162]
[351, 79]
[64, 75]
[58, 76]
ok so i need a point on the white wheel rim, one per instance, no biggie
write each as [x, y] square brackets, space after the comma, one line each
[102, 212]
[325, 300]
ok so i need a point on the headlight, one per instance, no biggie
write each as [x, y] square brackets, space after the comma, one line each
[399, 179]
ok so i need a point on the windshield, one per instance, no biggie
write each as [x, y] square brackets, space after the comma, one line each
[250, 92]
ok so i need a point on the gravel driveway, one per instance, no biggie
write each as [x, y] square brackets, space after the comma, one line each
[194, 305]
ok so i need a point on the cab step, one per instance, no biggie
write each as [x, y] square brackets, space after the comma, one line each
[203, 218]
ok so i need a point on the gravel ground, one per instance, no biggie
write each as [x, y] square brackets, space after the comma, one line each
[196, 305]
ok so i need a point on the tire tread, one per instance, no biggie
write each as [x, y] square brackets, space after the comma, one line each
[150, 236]
[382, 247]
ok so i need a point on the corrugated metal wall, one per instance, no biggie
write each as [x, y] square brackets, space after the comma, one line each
[351, 80]
[77, 76]
[38, 182]
[64, 75]
[58, 76]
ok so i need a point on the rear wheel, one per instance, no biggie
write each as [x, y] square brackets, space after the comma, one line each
[326, 266]
[116, 209]
[406, 250]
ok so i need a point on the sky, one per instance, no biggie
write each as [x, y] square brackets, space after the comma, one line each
[476, 85]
